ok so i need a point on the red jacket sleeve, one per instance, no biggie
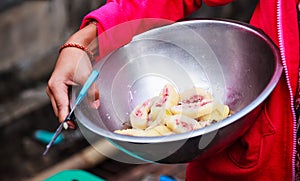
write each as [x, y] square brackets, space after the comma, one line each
[136, 16]
[133, 17]
[115, 12]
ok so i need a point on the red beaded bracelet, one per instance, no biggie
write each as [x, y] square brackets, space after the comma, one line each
[76, 45]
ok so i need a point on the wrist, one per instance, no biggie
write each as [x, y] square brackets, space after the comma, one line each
[84, 39]
[85, 36]
[79, 46]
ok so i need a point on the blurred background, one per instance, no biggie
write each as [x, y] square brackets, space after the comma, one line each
[31, 33]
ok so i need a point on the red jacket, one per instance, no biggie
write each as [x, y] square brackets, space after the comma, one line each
[267, 150]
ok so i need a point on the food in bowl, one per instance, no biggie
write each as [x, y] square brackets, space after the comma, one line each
[172, 112]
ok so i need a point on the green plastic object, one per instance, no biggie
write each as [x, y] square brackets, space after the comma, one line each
[74, 175]
[45, 137]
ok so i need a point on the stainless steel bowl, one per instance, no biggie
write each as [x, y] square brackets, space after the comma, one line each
[237, 63]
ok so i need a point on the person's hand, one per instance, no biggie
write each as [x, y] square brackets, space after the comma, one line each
[73, 67]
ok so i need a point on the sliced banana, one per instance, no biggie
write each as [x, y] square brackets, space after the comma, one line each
[220, 112]
[155, 113]
[131, 132]
[163, 130]
[138, 132]
[160, 130]
[195, 95]
[168, 97]
[194, 103]
[171, 113]
[151, 132]
[204, 123]
[194, 110]
[139, 115]
[160, 120]
[181, 124]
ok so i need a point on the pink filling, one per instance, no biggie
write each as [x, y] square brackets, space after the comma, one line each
[193, 99]
[138, 113]
[165, 95]
[146, 103]
[195, 105]
[177, 122]
[185, 125]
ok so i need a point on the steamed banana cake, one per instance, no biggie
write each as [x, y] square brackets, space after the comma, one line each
[172, 112]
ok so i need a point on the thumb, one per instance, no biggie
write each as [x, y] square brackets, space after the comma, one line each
[94, 96]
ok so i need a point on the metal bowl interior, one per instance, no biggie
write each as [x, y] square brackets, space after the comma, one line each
[238, 64]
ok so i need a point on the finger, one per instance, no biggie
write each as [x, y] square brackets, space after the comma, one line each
[71, 124]
[60, 95]
[62, 105]
[94, 96]
[52, 100]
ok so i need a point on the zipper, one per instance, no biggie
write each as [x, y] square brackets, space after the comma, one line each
[283, 58]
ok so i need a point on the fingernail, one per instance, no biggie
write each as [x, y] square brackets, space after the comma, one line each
[96, 104]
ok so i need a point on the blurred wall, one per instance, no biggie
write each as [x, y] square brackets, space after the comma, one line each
[31, 32]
